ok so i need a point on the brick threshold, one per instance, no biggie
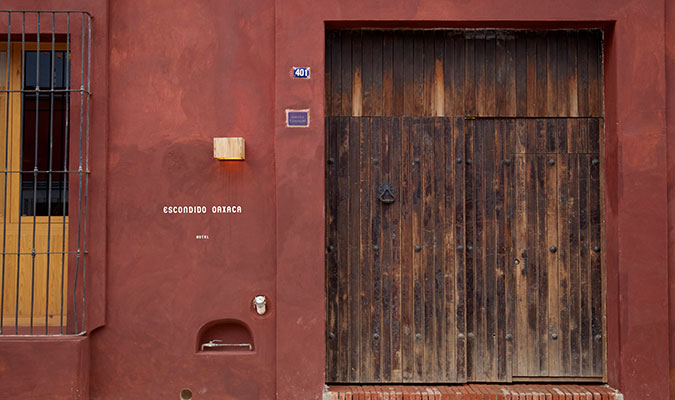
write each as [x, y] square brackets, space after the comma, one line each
[473, 392]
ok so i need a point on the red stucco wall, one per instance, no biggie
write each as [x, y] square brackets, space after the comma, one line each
[172, 75]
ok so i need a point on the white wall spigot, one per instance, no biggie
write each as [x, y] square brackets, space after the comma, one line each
[260, 304]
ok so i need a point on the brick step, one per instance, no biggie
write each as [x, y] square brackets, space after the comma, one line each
[473, 392]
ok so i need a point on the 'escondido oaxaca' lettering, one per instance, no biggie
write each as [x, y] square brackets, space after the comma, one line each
[231, 209]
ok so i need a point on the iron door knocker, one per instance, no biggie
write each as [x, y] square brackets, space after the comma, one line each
[386, 193]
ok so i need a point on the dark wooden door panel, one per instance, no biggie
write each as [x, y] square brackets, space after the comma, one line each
[395, 295]
[482, 73]
[487, 264]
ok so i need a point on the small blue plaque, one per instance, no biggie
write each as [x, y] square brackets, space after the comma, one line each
[297, 118]
[301, 72]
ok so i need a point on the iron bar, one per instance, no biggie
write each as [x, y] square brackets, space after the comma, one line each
[66, 177]
[52, 68]
[18, 239]
[4, 203]
[86, 178]
[35, 174]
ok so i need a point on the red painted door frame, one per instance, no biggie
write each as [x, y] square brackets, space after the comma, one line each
[635, 171]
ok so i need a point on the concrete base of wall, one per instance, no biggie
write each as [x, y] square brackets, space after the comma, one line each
[45, 367]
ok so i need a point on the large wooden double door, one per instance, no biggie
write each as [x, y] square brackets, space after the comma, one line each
[463, 222]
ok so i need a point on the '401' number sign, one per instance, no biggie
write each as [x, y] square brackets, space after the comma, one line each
[301, 72]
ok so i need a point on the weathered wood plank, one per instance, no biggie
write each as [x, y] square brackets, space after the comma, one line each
[386, 250]
[332, 281]
[459, 72]
[490, 108]
[480, 76]
[429, 72]
[398, 74]
[447, 250]
[470, 232]
[409, 72]
[427, 244]
[346, 72]
[458, 248]
[357, 84]
[470, 81]
[438, 246]
[377, 92]
[387, 74]
[367, 73]
[336, 74]
[490, 251]
[407, 279]
[396, 245]
[552, 74]
[365, 252]
[353, 242]
[449, 95]
[343, 248]
[376, 261]
[418, 74]
[417, 264]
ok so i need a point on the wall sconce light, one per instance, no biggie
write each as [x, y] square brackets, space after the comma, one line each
[228, 148]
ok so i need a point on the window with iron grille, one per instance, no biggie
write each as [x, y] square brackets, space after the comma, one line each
[45, 61]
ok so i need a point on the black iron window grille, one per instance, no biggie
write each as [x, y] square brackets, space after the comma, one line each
[45, 89]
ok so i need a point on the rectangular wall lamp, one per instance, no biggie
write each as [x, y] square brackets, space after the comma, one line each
[228, 148]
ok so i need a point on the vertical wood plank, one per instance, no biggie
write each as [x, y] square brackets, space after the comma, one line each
[387, 73]
[397, 266]
[478, 249]
[346, 72]
[407, 280]
[490, 74]
[386, 251]
[448, 74]
[511, 68]
[354, 246]
[438, 90]
[502, 84]
[597, 277]
[331, 256]
[470, 223]
[573, 218]
[376, 262]
[343, 249]
[584, 267]
[531, 267]
[357, 91]
[418, 74]
[572, 73]
[511, 267]
[427, 165]
[377, 92]
[563, 264]
[367, 73]
[459, 245]
[562, 78]
[459, 72]
[582, 71]
[398, 62]
[595, 102]
[531, 74]
[336, 74]
[500, 205]
[470, 79]
[417, 264]
[490, 250]
[521, 345]
[409, 72]
[429, 72]
[365, 253]
[449, 267]
[541, 106]
[438, 246]
[328, 85]
[552, 66]
[522, 86]
[480, 74]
